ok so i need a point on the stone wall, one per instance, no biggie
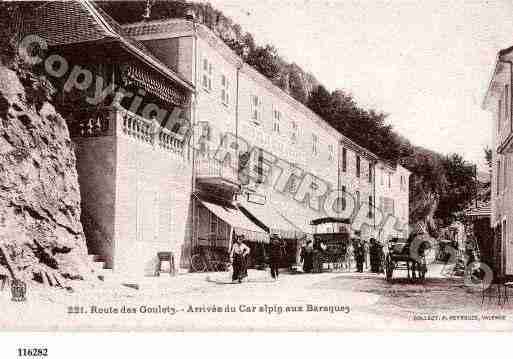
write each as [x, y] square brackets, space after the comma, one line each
[39, 193]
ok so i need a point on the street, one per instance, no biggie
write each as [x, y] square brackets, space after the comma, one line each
[209, 301]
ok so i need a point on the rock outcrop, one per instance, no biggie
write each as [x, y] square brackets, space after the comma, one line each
[40, 225]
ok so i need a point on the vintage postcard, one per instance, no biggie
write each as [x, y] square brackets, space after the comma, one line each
[256, 165]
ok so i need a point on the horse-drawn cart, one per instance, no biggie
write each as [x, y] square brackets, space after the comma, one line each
[406, 254]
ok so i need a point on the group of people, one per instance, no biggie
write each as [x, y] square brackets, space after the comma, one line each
[239, 257]
[364, 254]
[359, 254]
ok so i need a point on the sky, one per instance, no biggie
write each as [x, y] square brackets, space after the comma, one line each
[425, 63]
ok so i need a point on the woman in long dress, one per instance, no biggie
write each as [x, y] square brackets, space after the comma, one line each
[238, 258]
[307, 254]
[350, 256]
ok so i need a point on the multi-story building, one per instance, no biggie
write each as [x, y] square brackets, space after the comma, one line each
[134, 172]
[258, 161]
[498, 102]
[232, 97]
[392, 196]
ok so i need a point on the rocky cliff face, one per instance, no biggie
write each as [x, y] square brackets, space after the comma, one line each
[40, 225]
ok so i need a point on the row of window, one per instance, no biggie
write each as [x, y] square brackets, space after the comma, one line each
[256, 108]
[277, 118]
[402, 181]
[207, 80]
[358, 166]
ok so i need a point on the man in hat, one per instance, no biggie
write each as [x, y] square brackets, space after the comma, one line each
[307, 253]
[276, 249]
[375, 256]
[359, 255]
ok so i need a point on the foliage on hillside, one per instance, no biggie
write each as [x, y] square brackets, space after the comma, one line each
[440, 185]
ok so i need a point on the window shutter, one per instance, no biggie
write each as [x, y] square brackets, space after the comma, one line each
[260, 166]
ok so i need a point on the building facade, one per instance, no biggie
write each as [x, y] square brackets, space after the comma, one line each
[233, 154]
[134, 171]
[392, 197]
[498, 102]
[234, 98]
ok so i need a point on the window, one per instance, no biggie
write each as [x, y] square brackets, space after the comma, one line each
[276, 121]
[344, 159]
[357, 194]
[225, 90]
[389, 181]
[371, 208]
[315, 144]
[358, 166]
[402, 183]
[213, 224]
[382, 177]
[256, 109]
[388, 206]
[330, 152]
[207, 75]
[294, 134]
[370, 172]
[293, 184]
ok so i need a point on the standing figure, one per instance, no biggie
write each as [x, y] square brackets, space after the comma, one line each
[277, 247]
[350, 255]
[366, 254]
[307, 256]
[359, 256]
[375, 256]
[238, 258]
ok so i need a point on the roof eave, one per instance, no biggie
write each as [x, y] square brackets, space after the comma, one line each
[134, 50]
[484, 104]
[500, 54]
[166, 72]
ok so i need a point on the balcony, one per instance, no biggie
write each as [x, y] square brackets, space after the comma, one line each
[117, 121]
[213, 174]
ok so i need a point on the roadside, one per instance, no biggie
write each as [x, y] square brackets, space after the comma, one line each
[199, 301]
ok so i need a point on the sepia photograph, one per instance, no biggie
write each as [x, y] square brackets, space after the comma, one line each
[263, 166]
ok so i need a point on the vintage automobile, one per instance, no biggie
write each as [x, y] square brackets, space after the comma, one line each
[331, 238]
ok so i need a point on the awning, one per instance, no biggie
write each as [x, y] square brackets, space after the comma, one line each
[270, 220]
[239, 222]
[324, 220]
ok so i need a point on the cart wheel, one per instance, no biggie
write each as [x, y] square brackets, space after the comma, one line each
[198, 264]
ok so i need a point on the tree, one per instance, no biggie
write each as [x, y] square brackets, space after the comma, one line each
[265, 59]
[319, 102]
[296, 83]
[488, 156]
